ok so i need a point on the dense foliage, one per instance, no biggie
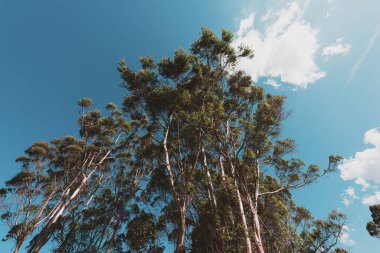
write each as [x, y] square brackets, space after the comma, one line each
[373, 227]
[194, 162]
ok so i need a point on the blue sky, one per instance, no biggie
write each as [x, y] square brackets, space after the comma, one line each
[322, 54]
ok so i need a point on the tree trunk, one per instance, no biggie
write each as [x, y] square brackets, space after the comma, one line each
[211, 190]
[254, 210]
[18, 245]
[116, 228]
[180, 247]
[42, 237]
[256, 225]
[248, 244]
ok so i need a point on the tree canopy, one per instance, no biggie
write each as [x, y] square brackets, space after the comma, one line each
[373, 227]
[194, 161]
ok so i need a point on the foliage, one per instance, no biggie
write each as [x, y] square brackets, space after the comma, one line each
[194, 159]
[373, 227]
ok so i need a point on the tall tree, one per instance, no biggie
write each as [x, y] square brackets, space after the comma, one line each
[195, 158]
[25, 198]
[201, 110]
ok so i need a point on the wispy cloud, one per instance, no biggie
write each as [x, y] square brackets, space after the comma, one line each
[362, 57]
[349, 196]
[272, 83]
[345, 237]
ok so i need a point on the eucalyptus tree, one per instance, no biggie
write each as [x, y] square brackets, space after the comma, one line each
[83, 165]
[195, 158]
[322, 235]
[205, 116]
[25, 198]
[62, 176]
[373, 227]
[175, 97]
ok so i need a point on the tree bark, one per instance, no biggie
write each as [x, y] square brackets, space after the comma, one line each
[209, 179]
[18, 244]
[254, 210]
[248, 244]
[180, 247]
[256, 226]
[42, 237]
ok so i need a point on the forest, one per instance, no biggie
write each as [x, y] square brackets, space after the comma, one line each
[193, 160]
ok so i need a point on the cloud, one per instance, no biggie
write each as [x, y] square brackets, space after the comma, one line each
[337, 48]
[273, 83]
[329, 11]
[365, 165]
[372, 200]
[285, 50]
[362, 57]
[266, 16]
[364, 168]
[363, 183]
[345, 237]
[348, 196]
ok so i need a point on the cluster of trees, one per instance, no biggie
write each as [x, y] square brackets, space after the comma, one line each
[192, 162]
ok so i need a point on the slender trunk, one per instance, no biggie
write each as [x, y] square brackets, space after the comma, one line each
[116, 228]
[41, 238]
[211, 190]
[42, 209]
[180, 247]
[256, 225]
[248, 244]
[167, 160]
[222, 168]
[253, 206]
[18, 244]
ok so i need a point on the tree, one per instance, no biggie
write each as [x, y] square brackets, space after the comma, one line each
[203, 115]
[321, 235]
[195, 158]
[373, 227]
[24, 201]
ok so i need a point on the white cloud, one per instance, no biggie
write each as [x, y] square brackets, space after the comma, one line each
[345, 237]
[337, 48]
[365, 165]
[266, 16]
[364, 168]
[273, 83]
[285, 50]
[363, 183]
[349, 196]
[372, 200]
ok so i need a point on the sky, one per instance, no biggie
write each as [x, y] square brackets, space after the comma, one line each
[322, 54]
